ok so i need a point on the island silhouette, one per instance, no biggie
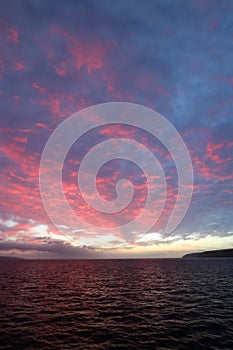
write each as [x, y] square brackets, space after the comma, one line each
[223, 253]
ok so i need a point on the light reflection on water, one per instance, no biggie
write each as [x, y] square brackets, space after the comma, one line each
[116, 304]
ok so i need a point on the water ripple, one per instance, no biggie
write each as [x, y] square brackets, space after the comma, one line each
[116, 304]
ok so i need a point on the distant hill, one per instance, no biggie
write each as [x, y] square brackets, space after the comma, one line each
[224, 253]
[10, 258]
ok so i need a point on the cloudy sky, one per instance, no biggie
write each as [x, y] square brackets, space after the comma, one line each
[58, 57]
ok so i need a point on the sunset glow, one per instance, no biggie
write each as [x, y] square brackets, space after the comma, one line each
[53, 64]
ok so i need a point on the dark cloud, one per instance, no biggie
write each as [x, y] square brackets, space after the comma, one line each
[53, 249]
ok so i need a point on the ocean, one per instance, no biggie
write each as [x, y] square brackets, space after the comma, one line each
[116, 304]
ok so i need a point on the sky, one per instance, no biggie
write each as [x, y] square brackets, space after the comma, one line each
[58, 57]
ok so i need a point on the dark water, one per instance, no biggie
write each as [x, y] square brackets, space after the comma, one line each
[116, 304]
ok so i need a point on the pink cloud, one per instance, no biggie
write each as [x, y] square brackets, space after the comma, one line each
[12, 36]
